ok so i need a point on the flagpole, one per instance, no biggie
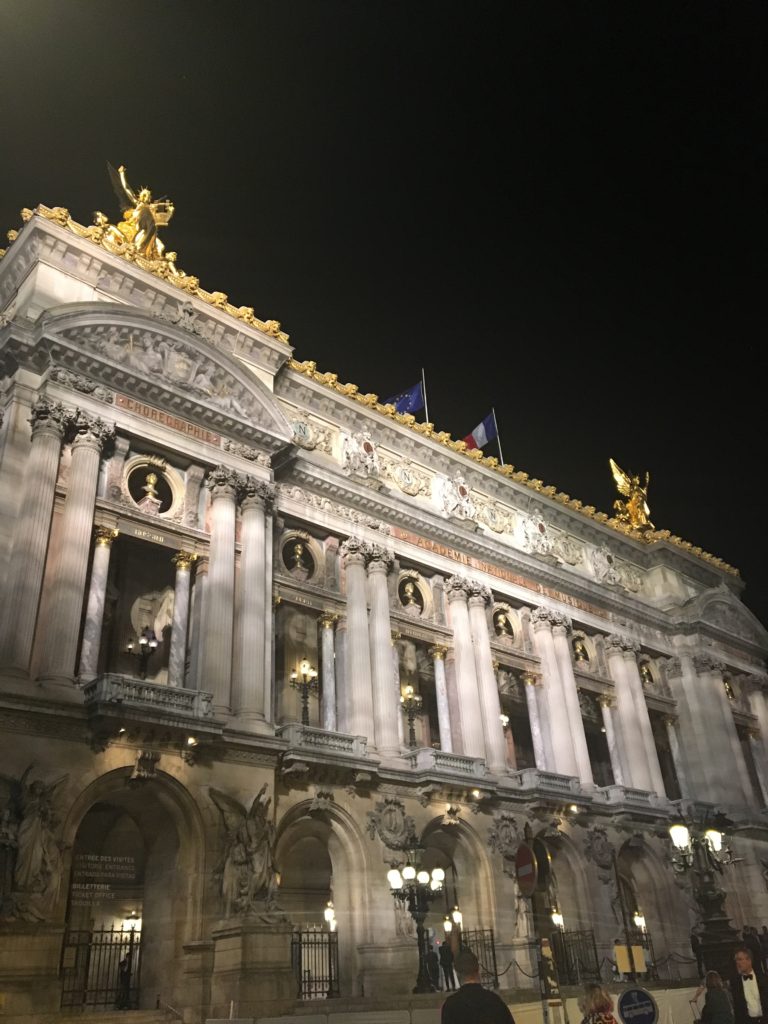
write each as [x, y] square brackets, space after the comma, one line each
[424, 391]
[498, 435]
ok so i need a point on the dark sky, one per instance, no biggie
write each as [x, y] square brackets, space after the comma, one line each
[556, 208]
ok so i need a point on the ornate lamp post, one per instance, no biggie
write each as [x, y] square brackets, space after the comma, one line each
[410, 702]
[452, 926]
[416, 888]
[701, 852]
[305, 681]
[143, 649]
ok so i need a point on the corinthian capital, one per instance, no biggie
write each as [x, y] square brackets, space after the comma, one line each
[354, 550]
[457, 588]
[88, 430]
[619, 642]
[257, 492]
[377, 555]
[479, 593]
[223, 482]
[549, 617]
[49, 416]
[704, 663]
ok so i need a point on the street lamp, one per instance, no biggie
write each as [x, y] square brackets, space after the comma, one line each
[410, 702]
[416, 888]
[701, 852]
[305, 681]
[147, 645]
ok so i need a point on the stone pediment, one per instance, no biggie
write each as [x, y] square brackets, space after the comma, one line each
[164, 362]
[720, 609]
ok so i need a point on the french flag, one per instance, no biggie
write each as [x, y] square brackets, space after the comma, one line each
[483, 433]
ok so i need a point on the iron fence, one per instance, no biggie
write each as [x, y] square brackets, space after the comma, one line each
[100, 969]
[480, 941]
[575, 956]
[315, 959]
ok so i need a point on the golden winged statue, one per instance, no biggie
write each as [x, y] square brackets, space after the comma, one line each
[634, 511]
[142, 215]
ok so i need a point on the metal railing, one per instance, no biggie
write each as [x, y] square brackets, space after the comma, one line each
[575, 956]
[315, 960]
[481, 942]
[100, 969]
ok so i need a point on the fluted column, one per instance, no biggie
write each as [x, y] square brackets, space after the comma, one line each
[396, 679]
[358, 660]
[571, 693]
[438, 654]
[756, 748]
[737, 781]
[509, 739]
[559, 719]
[699, 727]
[196, 627]
[468, 697]
[756, 694]
[614, 747]
[218, 617]
[644, 719]
[340, 663]
[27, 562]
[534, 721]
[385, 710]
[327, 672]
[638, 773]
[677, 755]
[94, 612]
[250, 688]
[177, 658]
[490, 705]
[61, 631]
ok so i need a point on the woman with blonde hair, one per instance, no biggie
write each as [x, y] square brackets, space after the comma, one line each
[597, 1005]
[717, 1007]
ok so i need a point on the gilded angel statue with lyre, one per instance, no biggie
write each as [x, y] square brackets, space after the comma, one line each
[142, 215]
[634, 511]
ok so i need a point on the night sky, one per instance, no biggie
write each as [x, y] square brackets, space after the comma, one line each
[556, 209]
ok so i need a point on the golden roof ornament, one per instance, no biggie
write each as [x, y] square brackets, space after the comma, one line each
[142, 215]
[633, 512]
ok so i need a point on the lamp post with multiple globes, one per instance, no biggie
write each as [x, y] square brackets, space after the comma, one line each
[304, 679]
[146, 647]
[410, 702]
[703, 854]
[416, 888]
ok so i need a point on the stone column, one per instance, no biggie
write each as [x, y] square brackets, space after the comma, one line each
[196, 630]
[194, 483]
[467, 693]
[534, 721]
[490, 705]
[699, 728]
[385, 711]
[677, 755]
[27, 561]
[94, 613]
[327, 672]
[441, 692]
[218, 617]
[358, 661]
[756, 747]
[250, 691]
[614, 747]
[571, 693]
[115, 468]
[60, 633]
[340, 663]
[644, 719]
[738, 782]
[177, 658]
[398, 692]
[559, 719]
[502, 679]
[638, 773]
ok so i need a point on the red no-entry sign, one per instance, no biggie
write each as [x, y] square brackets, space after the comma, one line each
[527, 869]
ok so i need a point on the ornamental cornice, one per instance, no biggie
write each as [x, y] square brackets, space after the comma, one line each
[245, 451]
[79, 382]
[706, 663]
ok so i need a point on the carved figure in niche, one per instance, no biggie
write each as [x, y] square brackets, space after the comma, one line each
[37, 875]
[298, 559]
[502, 624]
[646, 675]
[247, 871]
[580, 652]
[410, 597]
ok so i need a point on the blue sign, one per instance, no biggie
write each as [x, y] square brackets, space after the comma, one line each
[636, 1006]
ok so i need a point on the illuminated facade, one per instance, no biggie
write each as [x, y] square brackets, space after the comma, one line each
[186, 515]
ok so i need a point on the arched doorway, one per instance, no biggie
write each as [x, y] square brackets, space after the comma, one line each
[133, 894]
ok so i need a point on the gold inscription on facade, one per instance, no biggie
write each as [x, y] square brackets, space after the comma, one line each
[172, 422]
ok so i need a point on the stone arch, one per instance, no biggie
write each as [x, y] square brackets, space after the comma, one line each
[459, 847]
[571, 882]
[658, 898]
[163, 812]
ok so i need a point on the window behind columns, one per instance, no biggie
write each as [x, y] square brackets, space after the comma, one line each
[296, 637]
[597, 744]
[666, 760]
[515, 707]
[746, 749]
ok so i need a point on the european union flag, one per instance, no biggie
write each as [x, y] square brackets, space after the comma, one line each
[410, 400]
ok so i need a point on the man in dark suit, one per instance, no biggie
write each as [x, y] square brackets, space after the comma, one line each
[749, 989]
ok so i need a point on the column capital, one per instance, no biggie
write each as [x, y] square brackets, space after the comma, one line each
[619, 643]
[479, 595]
[395, 635]
[223, 482]
[378, 559]
[104, 535]
[605, 700]
[183, 560]
[256, 494]
[754, 734]
[457, 588]
[531, 679]
[48, 417]
[706, 663]
[354, 551]
[670, 720]
[328, 620]
[88, 431]
[438, 652]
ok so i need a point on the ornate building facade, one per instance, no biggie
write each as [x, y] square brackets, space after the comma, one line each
[264, 638]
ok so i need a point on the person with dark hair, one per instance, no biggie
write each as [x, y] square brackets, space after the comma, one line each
[446, 962]
[697, 952]
[597, 1005]
[473, 1004]
[433, 967]
[717, 1007]
[749, 989]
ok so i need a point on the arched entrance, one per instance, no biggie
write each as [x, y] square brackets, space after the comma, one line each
[133, 894]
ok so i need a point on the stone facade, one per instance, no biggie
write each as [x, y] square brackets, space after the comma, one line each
[186, 515]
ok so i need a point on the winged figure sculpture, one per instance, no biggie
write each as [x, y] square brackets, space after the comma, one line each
[142, 215]
[247, 869]
[634, 510]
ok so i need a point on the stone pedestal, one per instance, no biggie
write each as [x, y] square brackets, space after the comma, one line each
[252, 967]
[29, 971]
